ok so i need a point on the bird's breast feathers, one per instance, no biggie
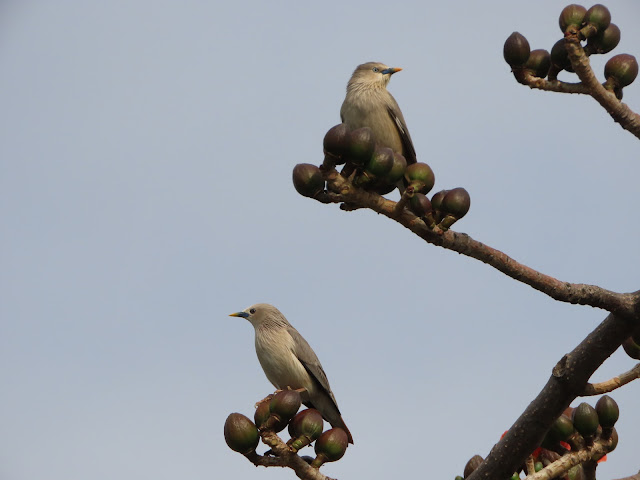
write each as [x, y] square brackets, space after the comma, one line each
[276, 353]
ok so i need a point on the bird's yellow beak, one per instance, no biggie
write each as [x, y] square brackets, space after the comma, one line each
[239, 314]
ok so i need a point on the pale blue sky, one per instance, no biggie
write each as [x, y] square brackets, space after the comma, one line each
[146, 151]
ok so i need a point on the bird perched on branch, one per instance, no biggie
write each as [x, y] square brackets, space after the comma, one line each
[369, 104]
[289, 361]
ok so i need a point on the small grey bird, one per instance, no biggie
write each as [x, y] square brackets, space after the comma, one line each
[289, 361]
[369, 104]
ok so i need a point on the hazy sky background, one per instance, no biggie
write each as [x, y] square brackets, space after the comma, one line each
[146, 151]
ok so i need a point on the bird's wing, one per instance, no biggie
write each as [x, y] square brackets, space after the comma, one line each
[407, 143]
[310, 362]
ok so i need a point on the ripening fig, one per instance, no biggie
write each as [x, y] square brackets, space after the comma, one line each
[571, 15]
[538, 466]
[380, 163]
[604, 41]
[539, 63]
[336, 143]
[597, 19]
[285, 404]
[631, 348]
[608, 411]
[240, 434]
[516, 50]
[420, 176]
[397, 169]
[265, 421]
[585, 420]
[305, 427]
[330, 446]
[361, 146]
[436, 200]
[420, 204]
[456, 202]
[307, 179]
[473, 463]
[623, 69]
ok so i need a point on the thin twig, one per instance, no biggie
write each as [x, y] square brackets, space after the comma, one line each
[613, 383]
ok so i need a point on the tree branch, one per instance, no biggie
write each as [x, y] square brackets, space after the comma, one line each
[285, 457]
[570, 460]
[612, 384]
[341, 190]
[567, 381]
[620, 112]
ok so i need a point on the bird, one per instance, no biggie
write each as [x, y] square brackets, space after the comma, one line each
[368, 103]
[289, 362]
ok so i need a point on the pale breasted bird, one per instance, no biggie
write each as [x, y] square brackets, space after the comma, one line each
[289, 362]
[369, 104]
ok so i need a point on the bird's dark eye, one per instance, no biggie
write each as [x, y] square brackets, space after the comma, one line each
[252, 311]
[375, 69]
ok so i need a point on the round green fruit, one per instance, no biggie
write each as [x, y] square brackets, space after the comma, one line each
[240, 433]
[307, 179]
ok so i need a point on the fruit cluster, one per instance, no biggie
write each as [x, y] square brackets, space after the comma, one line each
[273, 415]
[593, 25]
[575, 430]
[381, 170]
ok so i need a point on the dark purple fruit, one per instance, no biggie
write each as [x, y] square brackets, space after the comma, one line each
[623, 68]
[559, 56]
[336, 142]
[539, 63]
[585, 419]
[436, 200]
[599, 17]
[456, 202]
[516, 50]
[240, 433]
[473, 463]
[285, 404]
[307, 179]
[614, 439]
[608, 411]
[305, 427]
[420, 176]
[604, 41]
[330, 446]
[420, 205]
[361, 146]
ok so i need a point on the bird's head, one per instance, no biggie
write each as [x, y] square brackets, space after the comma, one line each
[371, 75]
[262, 314]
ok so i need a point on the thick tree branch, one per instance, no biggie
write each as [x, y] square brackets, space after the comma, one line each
[567, 381]
[341, 190]
[612, 384]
